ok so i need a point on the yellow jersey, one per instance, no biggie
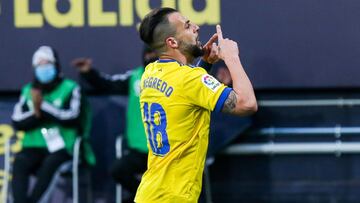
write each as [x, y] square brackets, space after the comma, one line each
[176, 101]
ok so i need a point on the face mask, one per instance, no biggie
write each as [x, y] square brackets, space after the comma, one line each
[45, 73]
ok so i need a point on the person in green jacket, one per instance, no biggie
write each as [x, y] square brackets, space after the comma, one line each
[52, 112]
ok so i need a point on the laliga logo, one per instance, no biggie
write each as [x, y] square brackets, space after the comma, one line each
[91, 13]
[208, 80]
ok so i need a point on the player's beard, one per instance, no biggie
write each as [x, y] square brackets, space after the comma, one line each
[194, 50]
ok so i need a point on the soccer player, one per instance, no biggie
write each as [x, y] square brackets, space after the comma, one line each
[176, 100]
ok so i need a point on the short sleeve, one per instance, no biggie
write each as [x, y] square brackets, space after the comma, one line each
[204, 90]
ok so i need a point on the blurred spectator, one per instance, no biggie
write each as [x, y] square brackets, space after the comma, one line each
[134, 160]
[222, 73]
[52, 112]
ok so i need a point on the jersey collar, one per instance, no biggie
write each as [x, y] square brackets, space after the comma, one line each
[172, 60]
[166, 60]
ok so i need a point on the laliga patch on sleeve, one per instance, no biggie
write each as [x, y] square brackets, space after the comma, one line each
[210, 82]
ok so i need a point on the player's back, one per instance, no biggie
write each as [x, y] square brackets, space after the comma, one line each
[176, 114]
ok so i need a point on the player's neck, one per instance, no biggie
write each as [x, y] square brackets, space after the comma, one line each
[178, 56]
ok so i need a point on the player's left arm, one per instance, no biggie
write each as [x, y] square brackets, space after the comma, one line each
[202, 89]
[241, 100]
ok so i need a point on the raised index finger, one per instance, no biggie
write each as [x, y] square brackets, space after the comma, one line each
[219, 33]
[211, 40]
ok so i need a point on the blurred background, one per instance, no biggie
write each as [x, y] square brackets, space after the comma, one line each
[303, 145]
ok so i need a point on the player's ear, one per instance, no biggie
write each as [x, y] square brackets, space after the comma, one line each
[172, 42]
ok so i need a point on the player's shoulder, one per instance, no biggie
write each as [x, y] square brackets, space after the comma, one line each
[150, 67]
[192, 70]
[192, 73]
[183, 71]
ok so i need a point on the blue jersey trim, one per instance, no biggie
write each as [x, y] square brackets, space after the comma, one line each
[166, 60]
[224, 95]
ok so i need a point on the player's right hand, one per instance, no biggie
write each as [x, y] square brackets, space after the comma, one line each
[227, 48]
[82, 64]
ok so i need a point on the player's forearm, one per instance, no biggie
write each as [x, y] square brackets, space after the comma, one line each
[246, 100]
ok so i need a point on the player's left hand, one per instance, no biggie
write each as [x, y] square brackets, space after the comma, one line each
[211, 50]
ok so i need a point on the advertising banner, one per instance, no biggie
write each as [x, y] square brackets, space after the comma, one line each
[283, 44]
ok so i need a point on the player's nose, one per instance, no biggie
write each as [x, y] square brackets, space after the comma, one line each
[196, 28]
